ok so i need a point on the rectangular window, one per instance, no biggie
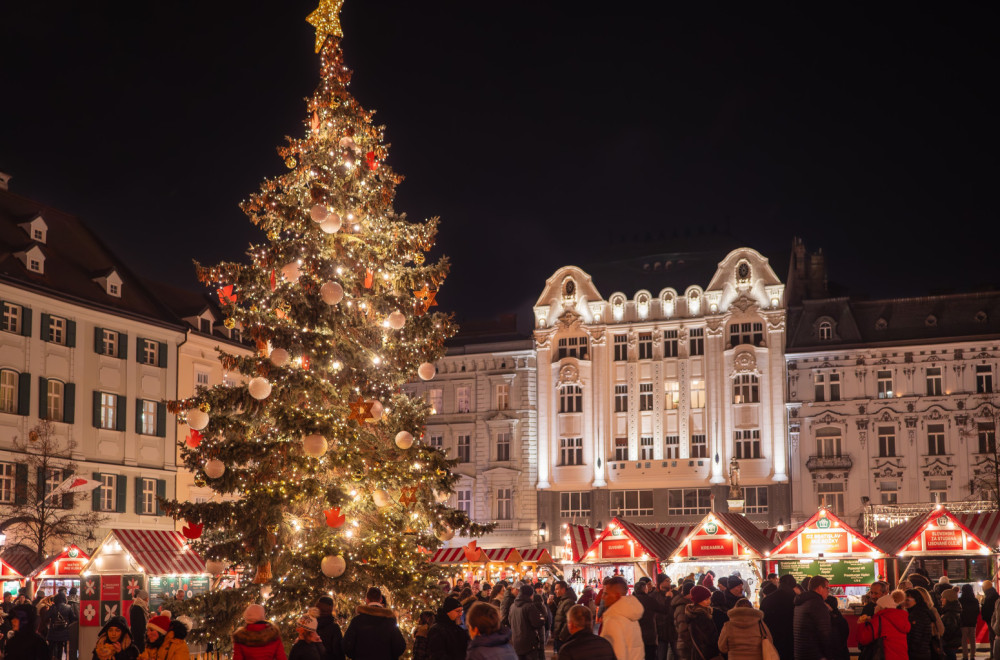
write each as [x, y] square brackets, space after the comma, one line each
[984, 379]
[819, 381]
[205, 325]
[621, 398]
[621, 449]
[465, 449]
[672, 447]
[699, 446]
[889, 491]
[831, 495]
[109, 343]
[670, 344]
[503, 446]
[57, 330]
[109, 482]
[570, 399]
[747, 443]
[435, 397]
[570, 451]
[9, 382]
[934, 381]
[621, 348]
[645, 396]
[646, 448]
[109, 410]
[884, 384]
[746, 389]
[631, 503]
[886, 441]
[689, 501]
[697, 394]
[746, 333]
[574, 505]
[696, 343]
[504, 503]
[834, 387]
[53, 478]
[12, 318]
[755, 499]
[645, 345]
[437, 441]
[463, 398]
[939, 490]
[8, 478]
[828, 444]
[935, 439]
[201, 379]
[54, 403]
[671, 394]
[987, 437]
[465, 501]
[150, 352]
[503, 396]
[575, 347]
[148, 497]
[148, 418]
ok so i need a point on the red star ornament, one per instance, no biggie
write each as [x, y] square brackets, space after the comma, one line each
[361, 410]
[194, 439]
[472, 553]
[425, 299]
[409, 496]
[370, 160]
[333, 517]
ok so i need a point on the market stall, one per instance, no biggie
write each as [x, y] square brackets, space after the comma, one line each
[127, 560]
[502, 564]
[459, 564]
[12, 580]
[725, 543]
[627, 549]
[577, 540]
[61, 570]
[537, 563]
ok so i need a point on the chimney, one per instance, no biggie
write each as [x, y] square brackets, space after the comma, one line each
[799, 258]
[817, 276]
[4, 180]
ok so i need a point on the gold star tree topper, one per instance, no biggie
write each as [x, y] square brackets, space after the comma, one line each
[326, 20]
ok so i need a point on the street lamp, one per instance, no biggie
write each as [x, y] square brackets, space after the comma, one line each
[542, 533]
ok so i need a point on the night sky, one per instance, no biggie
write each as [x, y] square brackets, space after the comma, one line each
[542, 133]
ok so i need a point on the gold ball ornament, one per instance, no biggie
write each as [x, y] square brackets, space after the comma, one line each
[381, 498]
[314, 445]
[376, 411]
[290, 162]
[404, 439]
[332, 224]
[419, 258]
[229, 323]
[396, 320]
[445, 534]
[291, 271]
[214, 468]
[333, 566]
[318, 213]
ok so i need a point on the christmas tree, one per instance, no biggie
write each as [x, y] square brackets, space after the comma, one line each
[321, 484]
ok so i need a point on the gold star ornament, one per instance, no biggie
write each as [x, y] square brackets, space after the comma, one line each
[326, 20]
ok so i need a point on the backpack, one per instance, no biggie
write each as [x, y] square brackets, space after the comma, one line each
[875, 650]
[57, 621]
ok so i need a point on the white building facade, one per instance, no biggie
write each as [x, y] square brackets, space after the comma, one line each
[645, 400]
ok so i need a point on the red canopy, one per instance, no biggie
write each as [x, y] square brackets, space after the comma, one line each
[940, 532]
[68, 563]
[724, 536]
[626, 541]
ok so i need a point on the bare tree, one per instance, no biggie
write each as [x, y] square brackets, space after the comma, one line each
[34, 518]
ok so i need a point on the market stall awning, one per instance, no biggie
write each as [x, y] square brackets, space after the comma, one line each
[626, 541]
[535, 556]
[7, 572]
[153, 551]
[581, 538]
[68, 563]
[679, 532]
[502, 555]
[773, 535]
[19, 558]
[985, 526]
[939, 532]
[723, 536]
[452, 556]
[825, 535]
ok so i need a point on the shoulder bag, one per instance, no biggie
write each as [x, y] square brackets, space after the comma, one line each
[768, 652]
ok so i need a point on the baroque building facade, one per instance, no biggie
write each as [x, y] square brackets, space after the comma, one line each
[646, 402]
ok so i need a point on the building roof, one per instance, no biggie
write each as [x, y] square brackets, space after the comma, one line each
[983, 527]
[503, 555]
[20, 558]
[535, 555]
[160, 552]
[450, 556]
[581, 538]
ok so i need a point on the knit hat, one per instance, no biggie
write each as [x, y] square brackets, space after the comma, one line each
[944, 580]
[734, 582]
[886, 602]
[950, 595]
[707, 580]
[308, 620]
[451, 603]
[254, 613]
[159, 623]
[699, 594]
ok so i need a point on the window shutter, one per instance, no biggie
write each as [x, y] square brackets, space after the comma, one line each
[122, 346]
[120, 413]
[26, 321]
[140, 343]
[138, 496]
[161, 419]
[21, 483]
[95, 495]
[97, 410]
[43, 397]
[69, 403]
[71, 333]
[138, 416]
[161, 358]
[43, 332]
[99, 340]
[161, 493]
[67, 501]
[40, 488]
[23, 394]
[121, 486]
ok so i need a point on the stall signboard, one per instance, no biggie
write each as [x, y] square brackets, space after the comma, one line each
[713, 547]
[69, 563]
[616, 548]
[163, 589]
[826, 535]
[838, 572]
[824, 542]
[723, 536]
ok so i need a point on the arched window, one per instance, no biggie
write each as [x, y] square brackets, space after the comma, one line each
[570, 399]
[825, 331]
[9, 391]
[746, 389]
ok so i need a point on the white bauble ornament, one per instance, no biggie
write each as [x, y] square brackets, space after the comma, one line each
[332, 224]
[331, 293]
[265, 591]
[396, 320]
[381, 498]
[279, 357]
[214, 567]
[214, 468]
[441, 497]
[376, 412]
[314, 445]
[446, 534]
[318, 213]
[197, 419]
[333, 566]
[404, 439]
[259, 388]
[291, 271]
[426, 371]
[347, 142]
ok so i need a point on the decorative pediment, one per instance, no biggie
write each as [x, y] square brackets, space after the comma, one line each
[744, 302]
[982, 356]
[984, 411]
[934, 414]
[887, 416]
[569, 320]
[888, 469]
[937, 466]
[569, 374]
[829, 419]
[499, 472]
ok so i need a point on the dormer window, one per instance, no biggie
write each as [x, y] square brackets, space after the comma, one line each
[113, 289]
[39, 235]
[205, 325]
[35, 265]
[33, 259]
[111, 283]
[37, 229]
[825, 331]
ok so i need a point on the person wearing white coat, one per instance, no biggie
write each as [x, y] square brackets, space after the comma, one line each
[620, 622]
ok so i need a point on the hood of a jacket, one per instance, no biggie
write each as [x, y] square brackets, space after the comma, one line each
[521, 601]
[745, 617]
[693, 609]
[499, 638]
[807, 596]
[893, 617]
[570, 595]
[120, 623]
[628, 607]
[678, 600]
[952, 606]
[375, 610]
[256, 634]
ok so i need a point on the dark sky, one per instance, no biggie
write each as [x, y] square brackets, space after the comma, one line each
[542, 133]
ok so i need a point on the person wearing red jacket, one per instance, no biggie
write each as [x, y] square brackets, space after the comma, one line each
[258, 639]
[894, 624]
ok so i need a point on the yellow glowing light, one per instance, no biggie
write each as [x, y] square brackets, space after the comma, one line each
[326, 20]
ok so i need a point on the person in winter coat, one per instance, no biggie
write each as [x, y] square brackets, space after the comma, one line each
[328, 630]
[419, 635]
[682, 647]
[620, 625]
[840, 630]
[59, 617]
[488, 640]
[138, 615]
[308, 645]
[743, 636]
[527, 625]
[734, 592]
[373, 633]
[889, 623]
[165, 640]
[259, 639]
[988, 606]
[951, 617]
[446, 640]
[562, 599]
[875, 591]
[583, 644]
[921, 634]
[23, 642]
[779, 611]
[509, 596]
[647, 622]
[995, 629]
[114, 642]
[666, 635]
[811, 621]
[970, 615]
[702, 635]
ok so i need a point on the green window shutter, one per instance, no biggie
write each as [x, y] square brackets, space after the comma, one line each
[161, 419]
[43, 397]
[161, 493]
[161, 358]
[140, 344]
[97, 409]
[71, 333]
[138, 416]
[69, 404]
[43, 332]
[99, 340]
[67, 501]
[138, 495]
[40, 488]
[122, 346]
[21, 483]
[26, 321]
[95, 495]
[120, 413]
[121, 487]
[23, 394]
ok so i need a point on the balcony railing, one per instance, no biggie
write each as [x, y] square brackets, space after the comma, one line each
[829, 463]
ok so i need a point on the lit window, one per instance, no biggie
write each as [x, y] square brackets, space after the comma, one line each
[671, 394]
[463, 399]
[53, 478]
[149, 417]
[108, 410]
[435, 397]
[8, 391]
[12, 318]
[8, 479]
[55, 401]
[570, 451]
[697, 394]
[884, 382]
[57, 330]
[109, 343]
[631, 503]
[503, 396]
[150, 352]
[106, 497]
[148, 497]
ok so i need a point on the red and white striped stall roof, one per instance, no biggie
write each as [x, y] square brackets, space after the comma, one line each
[581, 538]
[678, 532]
[160, 552]
[449, 556]
[984, 525]
[535, 555]
[773, 535]
[503, 555]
